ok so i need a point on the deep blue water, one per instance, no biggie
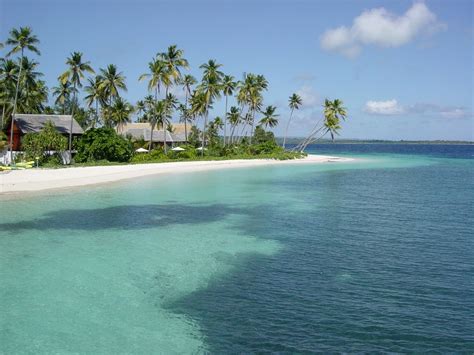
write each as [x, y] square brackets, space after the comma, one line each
[376, 260]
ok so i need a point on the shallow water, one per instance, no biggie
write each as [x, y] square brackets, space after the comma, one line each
[374, 255]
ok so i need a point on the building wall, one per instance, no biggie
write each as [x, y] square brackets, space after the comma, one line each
[16, 136]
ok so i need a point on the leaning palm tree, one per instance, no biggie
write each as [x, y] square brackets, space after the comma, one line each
[333, 112]
[228, 87]
[63, 92]
[74, 74]
[187, 81]
[112, 82]
[330, 123]
[270, 118]
[294, 103]
[20, 40]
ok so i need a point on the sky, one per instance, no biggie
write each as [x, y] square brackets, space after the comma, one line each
[403, 68]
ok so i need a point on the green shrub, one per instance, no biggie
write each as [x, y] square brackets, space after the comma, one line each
[103, 144]
[3, 141]
[156, 154]
[48, 139]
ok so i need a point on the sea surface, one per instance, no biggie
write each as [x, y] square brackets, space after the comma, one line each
[375, 255]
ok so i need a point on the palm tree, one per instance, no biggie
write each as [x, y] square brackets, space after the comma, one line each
[112, 82]
[63, 93]
[333, 112]
[234, 119]
[120, 113]
[94, 95]
[294, 103]
[211, 70]
[270, 118]
[210, 88]
[250, 95]
[200, 107]
[185, 116]
[228, 87]
[171, 103]
[33, 92]
[162, 113]
[187, 81]
[140, 109]
[74, 74]
[8, 76]
[20, 40]
[156, 76]
[174, 61]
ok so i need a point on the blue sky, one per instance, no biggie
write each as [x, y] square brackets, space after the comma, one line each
[404, 69]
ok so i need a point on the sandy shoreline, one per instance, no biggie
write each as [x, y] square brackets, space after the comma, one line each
[47, 179]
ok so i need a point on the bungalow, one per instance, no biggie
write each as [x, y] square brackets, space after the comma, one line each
[34, 123]
[143, 131]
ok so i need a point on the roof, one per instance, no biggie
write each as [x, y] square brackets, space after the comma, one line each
[143, 130]
[35, 123]
[177, 127]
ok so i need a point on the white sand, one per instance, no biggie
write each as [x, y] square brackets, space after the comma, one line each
[45, 179]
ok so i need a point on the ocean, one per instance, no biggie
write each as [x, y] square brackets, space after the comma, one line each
[374, 255]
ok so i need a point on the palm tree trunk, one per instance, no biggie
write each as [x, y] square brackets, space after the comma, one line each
[186, 118]
[151, 137]
[286, 130]
[251, 127]
[72, 119]
[3, 115]
[109, 119]
[96, 113]
[204, 134]
[14, 107]
[225, 119]
[165, 125]
[231, 138]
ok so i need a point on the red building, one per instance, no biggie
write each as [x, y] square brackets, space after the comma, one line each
[24, 124]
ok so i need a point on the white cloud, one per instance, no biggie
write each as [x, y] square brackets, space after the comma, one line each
[389, 107]
[379, 27]
[309, 96]
[392, 107]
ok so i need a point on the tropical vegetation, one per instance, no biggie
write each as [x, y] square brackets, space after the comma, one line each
[95, 98]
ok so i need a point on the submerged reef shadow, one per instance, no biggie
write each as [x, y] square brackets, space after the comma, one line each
[126, 217]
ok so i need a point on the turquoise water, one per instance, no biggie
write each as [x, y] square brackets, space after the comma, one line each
[374, 255]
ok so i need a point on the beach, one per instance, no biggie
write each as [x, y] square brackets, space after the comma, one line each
[47, 179]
